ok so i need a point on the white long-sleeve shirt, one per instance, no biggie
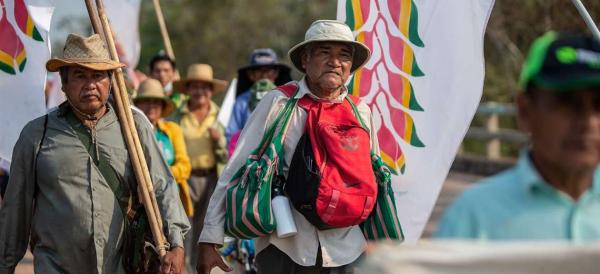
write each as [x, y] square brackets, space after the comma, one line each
[339, 246]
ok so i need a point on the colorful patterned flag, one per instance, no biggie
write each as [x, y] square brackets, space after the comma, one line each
[423, 83]
[12, 52]
[25, 22]
[24, 50]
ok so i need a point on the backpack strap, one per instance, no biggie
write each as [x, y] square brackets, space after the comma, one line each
[288, 89]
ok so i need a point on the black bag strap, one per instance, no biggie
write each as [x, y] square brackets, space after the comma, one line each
[37, 153]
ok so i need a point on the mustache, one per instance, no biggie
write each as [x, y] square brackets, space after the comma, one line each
[90, 93]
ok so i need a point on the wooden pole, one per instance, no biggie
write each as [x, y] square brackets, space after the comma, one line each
[587, 18]
[165, 34]
[135, 150]
[96, 26]
[163, 29]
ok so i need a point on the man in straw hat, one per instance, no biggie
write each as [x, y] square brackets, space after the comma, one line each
[327, 57]
[72, 186]
[205, 141]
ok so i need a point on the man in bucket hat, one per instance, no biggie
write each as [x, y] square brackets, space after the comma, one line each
[327, 57]
[263, 65]
[553, 193]
[72, 187]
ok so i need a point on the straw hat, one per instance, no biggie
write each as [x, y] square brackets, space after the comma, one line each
[151, 89]
[89, 52]
[330, 31]
[200, 72]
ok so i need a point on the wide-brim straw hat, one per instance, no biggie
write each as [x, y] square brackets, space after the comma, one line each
[89, 52]
[330, 31]
[200, 72]
[152, 89]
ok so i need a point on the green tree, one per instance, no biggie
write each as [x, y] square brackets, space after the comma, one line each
[224, 32]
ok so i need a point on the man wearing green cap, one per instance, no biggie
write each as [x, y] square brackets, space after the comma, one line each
[553, 193]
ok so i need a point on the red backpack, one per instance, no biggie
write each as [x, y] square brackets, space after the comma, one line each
[331, 180]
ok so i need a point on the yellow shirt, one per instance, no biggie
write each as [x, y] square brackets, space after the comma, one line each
[204, 153]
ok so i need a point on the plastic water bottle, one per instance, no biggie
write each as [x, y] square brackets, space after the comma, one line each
[282, 212]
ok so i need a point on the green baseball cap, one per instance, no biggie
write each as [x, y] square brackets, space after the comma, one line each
[562, 62]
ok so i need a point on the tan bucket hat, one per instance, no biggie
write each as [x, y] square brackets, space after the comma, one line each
[151, 89]
[89, 52]
[330, 31]
[200, 72]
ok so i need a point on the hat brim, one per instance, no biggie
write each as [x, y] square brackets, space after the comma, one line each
[568, 82]
[282, 67]
[168, 107]
[218, 85]
[361, 53]
[55, 64]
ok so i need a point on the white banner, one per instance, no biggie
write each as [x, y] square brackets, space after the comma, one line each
[227, 105]
[423, 83]
[124, 17]
[24, 50]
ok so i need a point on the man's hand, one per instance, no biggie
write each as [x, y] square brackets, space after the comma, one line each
[208, 258]
[173, 261]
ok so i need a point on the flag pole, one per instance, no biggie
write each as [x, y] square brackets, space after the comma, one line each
[164, 33]
[134, 148]
[163, 29]
[587, 18]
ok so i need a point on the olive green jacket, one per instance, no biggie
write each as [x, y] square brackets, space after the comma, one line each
[74, 220]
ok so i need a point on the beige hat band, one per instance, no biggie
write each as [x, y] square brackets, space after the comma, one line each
[87, 60]
[331, 36]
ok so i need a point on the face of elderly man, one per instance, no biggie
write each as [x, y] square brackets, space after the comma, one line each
[327, 65]
[87, 89]
[564, 127]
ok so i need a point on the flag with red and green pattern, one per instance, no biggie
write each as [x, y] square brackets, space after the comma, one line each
[24, 50]
[423, 83]
[13, 56]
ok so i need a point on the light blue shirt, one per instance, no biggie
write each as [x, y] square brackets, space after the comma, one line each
[519, 205]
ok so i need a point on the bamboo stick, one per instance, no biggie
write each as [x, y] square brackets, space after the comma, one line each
[165, 34]
[140, 152]
[96, 26]
[129, 130]
[585, 15]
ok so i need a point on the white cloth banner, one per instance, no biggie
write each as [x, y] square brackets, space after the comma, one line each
[423, 83]
[227, 105]
[24, 50]
[124, 19]
[54, 94]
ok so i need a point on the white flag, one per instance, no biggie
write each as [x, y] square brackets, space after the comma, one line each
[24, 50]
[124, 17]
[227, 105]
[423, 83]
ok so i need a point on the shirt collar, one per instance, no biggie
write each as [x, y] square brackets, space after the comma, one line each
[531, 179]
[303, 90]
